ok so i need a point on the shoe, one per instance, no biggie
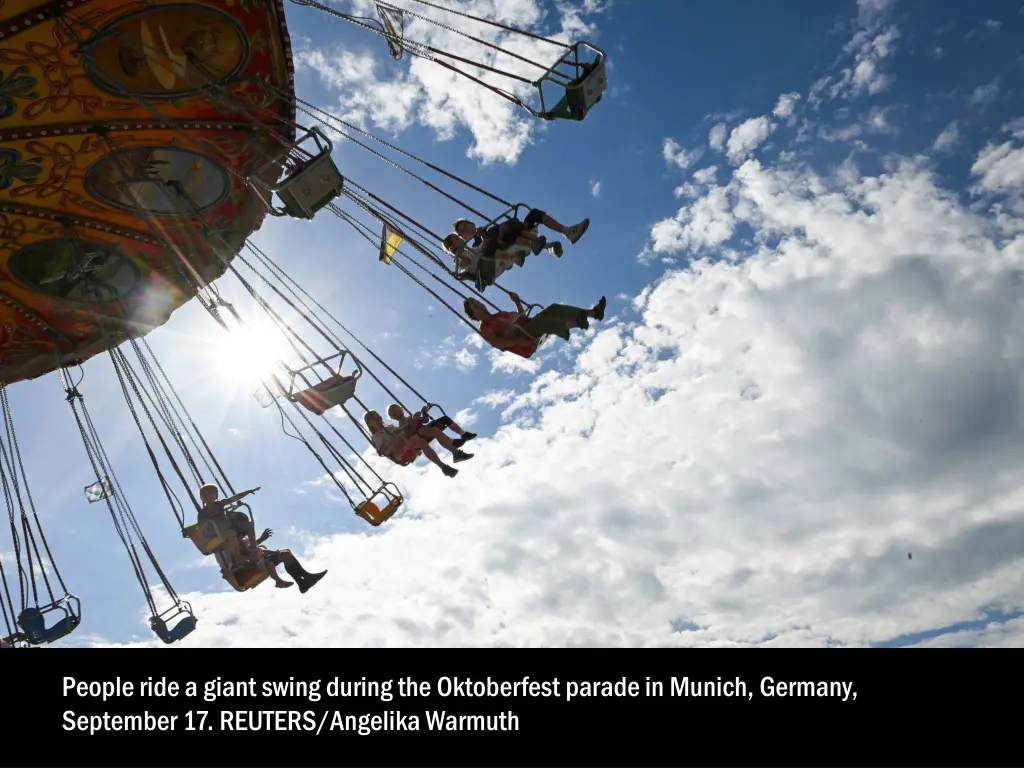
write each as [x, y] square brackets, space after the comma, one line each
[555, 249]
[461, 456]
[461, 441]
[311, 579]
[539, 244]
[575, 232]
[449, 471]
[599, 309]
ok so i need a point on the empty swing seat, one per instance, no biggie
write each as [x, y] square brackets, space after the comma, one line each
[33, 621]
[374, 515]
[310, 187]
[337, 390]
[173, 634]
[307, 185]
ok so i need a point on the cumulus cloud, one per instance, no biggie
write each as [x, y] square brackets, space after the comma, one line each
[595, 188]
[373, 89]
[786, 107]
[676, 156]
[747, 136]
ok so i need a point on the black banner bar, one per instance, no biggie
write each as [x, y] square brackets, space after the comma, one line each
[509, 708]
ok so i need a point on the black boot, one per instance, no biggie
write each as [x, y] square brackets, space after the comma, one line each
[303, 578]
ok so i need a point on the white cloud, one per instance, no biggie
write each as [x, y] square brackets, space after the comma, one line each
[466, 418]
[595, 188]
[464, 360]
[701, 180]
[716, 137]
[747, 136]
[708, 222]
[993, 25]
[948, 138]
[679, 157]
[392, 95]
[874, 121]
[873, 42]
[1001, 168]
[984, 95]
[786, 107]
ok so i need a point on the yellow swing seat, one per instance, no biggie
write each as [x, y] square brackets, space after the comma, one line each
[374, 515]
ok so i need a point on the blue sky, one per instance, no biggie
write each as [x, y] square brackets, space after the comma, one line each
[808, 220]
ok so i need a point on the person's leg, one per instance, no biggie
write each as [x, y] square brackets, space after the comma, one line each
[429, 433]
[445, 422]
[435, 434]
[572, 234]
[304, 578]
[557, 320]
[434, 459]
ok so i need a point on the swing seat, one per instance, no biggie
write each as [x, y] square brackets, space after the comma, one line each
[306, 188]
[482, 270]
[172, 635]
[309, 188]
[204, 542]
[582, 93]
[33, 621]
[245, 580]
[374, 515]
[337, 390]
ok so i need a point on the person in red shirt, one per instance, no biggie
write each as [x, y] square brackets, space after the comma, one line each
[516, 333]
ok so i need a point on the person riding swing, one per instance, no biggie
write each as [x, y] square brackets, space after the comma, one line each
[521, 335]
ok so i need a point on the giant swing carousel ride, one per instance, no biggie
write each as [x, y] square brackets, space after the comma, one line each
[141, 145]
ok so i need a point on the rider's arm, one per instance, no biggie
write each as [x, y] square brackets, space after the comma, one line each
[520, 307]
[238, 496]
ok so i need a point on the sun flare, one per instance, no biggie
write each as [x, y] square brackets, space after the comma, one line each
[249, 357]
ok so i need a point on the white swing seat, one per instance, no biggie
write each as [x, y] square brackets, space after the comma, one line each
[332, 392]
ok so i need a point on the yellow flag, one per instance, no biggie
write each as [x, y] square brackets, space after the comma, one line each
[390, 239]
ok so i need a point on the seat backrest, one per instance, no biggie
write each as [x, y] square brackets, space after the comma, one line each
[200, 535]
[588, 90]
[336, 390]
[374, 515]
[172, 635]
[251, 579]
[33, 622]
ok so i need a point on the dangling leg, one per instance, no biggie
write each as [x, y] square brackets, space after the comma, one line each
[558, 320]
[431, 454]
[428, 433]
[268, 562]
[463, 436]
[305, 579]
[572, 234]
[445, 422]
